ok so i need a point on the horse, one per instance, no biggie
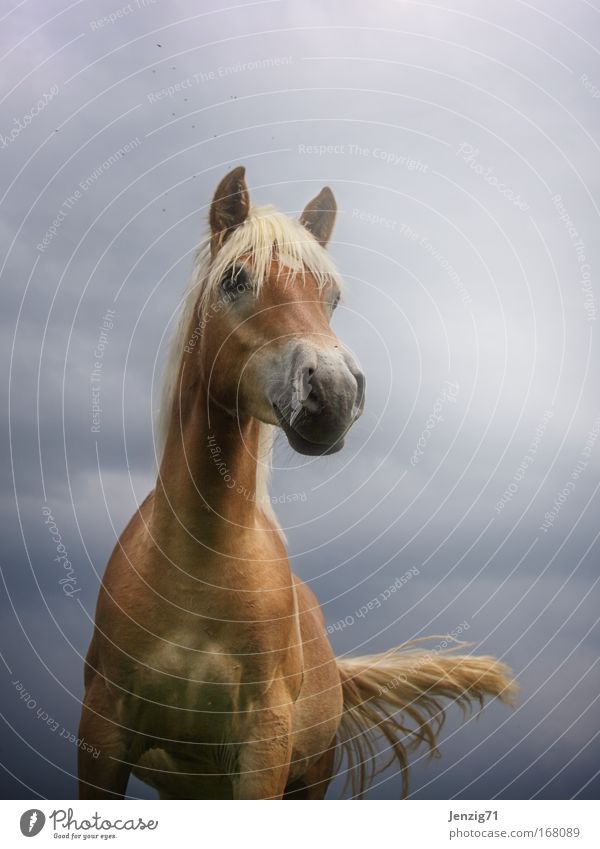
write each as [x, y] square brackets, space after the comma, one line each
[209, 674]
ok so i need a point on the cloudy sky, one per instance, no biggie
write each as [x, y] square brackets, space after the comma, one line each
[461, 143]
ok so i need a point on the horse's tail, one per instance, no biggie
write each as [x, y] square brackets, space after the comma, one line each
[398, 695]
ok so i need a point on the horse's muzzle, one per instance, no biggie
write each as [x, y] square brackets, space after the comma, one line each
[322, 395]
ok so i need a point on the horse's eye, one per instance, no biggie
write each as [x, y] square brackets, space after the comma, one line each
[335, 301]
[234, 282]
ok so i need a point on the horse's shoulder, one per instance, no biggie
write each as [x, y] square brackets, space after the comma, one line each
[308, 603]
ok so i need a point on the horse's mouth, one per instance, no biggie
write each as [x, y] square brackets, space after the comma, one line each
[303, 445]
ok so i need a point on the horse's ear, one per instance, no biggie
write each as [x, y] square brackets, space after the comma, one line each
[230, 206]
[319, 215]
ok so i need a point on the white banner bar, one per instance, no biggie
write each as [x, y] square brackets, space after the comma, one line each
[303, 825]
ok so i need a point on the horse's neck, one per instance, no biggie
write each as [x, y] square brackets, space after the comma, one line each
[208, 472]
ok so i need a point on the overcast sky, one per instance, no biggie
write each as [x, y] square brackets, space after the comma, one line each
[461, 144]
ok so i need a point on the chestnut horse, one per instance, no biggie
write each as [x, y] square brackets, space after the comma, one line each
[210, 674]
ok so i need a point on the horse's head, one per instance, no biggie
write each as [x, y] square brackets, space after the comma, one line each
[267, 347]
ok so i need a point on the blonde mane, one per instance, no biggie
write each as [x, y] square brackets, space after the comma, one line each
[266, 234]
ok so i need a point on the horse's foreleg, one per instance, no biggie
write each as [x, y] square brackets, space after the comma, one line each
[103, 767]
[263, 760]
[315, 781]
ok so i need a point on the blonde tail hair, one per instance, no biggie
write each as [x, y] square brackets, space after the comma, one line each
[398, 695]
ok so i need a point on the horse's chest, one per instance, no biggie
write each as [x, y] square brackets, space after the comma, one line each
[195, 691]
[198, 677]
[205, 661]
